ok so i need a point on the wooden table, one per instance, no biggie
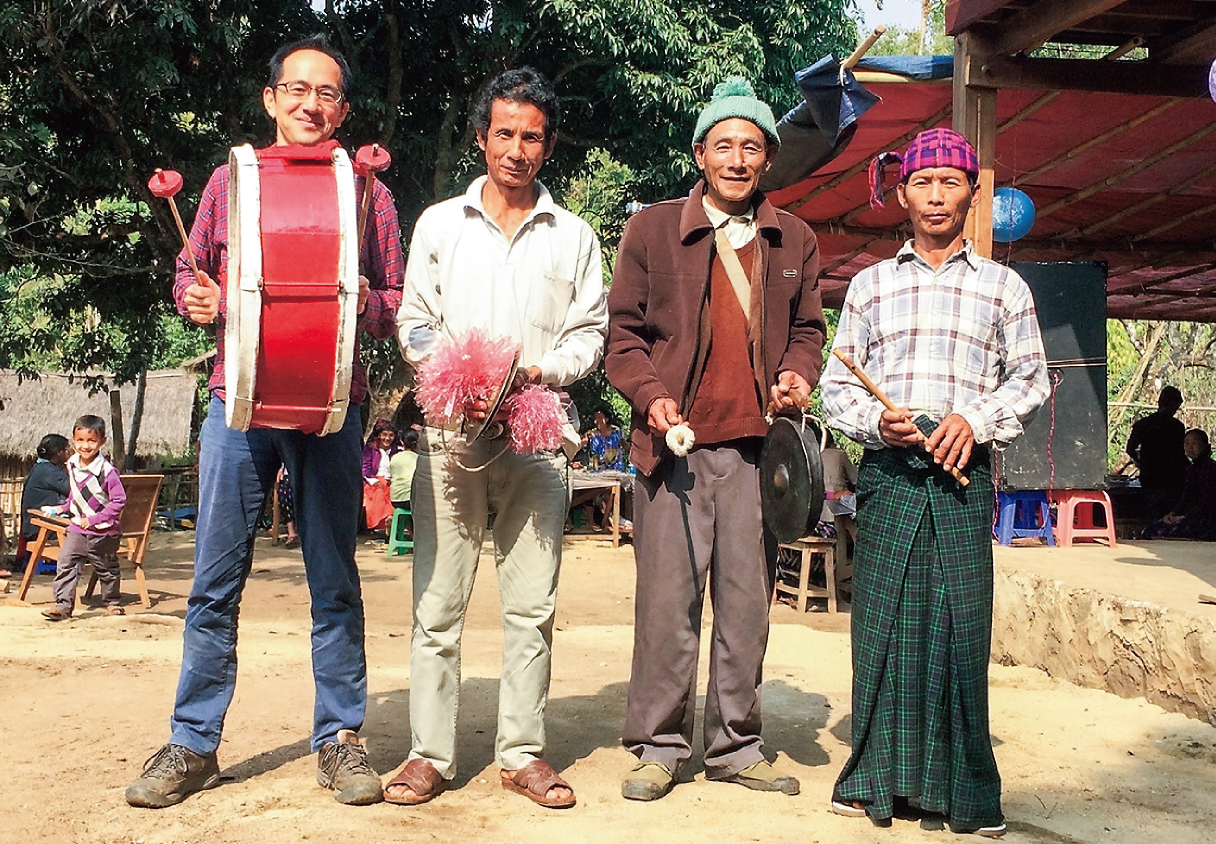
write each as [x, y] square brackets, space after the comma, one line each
[616, 483]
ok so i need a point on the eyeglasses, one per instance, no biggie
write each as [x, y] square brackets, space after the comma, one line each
[300, 90]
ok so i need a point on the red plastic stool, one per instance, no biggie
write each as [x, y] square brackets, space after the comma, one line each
[1075, 515]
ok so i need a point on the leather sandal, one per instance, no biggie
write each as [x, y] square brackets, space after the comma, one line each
[534, 781]
[421, 778]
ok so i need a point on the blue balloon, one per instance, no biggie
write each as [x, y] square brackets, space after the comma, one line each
[1012, 215]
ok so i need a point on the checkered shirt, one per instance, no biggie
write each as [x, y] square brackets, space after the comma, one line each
[381, 260]
[962, 339]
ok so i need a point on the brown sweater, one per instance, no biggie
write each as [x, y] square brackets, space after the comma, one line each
[658, 309]
[727, 404]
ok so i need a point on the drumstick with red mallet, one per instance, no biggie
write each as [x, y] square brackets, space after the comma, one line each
[962, 479]
[369, 160]
[166, 184]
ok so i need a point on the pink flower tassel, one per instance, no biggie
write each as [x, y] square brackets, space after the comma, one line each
[460, 371]
[535, 420]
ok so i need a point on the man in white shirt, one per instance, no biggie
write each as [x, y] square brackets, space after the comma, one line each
[505, 259]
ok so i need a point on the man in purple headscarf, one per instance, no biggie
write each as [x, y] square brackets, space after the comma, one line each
[953, 339]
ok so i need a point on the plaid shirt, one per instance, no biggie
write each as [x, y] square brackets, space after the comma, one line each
[962, 339]
[381, 261]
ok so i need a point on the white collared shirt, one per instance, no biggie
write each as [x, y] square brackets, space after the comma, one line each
[543, 287]
[740, 229]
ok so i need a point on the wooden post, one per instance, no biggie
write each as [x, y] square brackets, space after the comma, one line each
[975, 117]
[117, 443]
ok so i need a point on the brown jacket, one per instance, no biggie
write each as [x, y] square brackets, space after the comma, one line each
[658, 308]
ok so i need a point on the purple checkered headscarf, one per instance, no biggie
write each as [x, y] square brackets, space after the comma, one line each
[931, 148]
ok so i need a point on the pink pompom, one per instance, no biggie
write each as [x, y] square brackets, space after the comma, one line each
[460, 371]
[535, 419]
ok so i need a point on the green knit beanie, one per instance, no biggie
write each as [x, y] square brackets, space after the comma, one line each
[735, 97]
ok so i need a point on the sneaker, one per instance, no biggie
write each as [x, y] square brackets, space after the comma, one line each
[342, 766]
[171, 775]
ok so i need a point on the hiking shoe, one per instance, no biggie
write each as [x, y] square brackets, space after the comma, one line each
[647, 781]
[342, 766]
[171, 775]
[764, 777]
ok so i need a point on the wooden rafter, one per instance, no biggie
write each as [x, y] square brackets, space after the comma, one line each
[1040, 22]
[1124, 175]
[1157, 282]
[1202, 211]
[1194, 46]
[1139, 78]
[830, 268]
[1145, 204]
[1098, 140]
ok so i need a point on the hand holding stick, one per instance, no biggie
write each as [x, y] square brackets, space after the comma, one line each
[369, 160]
[962, 479]
[166, 184]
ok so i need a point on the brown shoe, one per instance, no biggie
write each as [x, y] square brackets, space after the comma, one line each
[762, 776]
[56, 614]
[171, 775]
[342, 766]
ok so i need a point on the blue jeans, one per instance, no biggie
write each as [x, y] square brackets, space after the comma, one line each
[236, 472]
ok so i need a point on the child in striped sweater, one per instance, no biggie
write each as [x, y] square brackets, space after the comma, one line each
[95, 501]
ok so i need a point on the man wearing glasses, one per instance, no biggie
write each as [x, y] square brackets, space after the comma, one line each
[306, 98]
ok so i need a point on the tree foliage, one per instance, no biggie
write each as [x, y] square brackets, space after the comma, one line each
[1143, 357]
[94, 94]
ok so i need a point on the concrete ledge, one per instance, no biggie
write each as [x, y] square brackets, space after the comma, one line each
[1103, 641]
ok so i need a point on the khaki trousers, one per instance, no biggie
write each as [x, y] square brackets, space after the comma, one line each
[529, 497]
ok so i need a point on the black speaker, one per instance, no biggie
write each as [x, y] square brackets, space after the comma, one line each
[1064, 446]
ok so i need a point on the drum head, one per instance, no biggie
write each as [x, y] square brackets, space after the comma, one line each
[791, 478]
[475, 429]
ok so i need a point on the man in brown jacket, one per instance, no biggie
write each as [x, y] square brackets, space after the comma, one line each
[685, 350]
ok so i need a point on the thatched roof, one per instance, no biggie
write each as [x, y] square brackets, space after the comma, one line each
[52, 403]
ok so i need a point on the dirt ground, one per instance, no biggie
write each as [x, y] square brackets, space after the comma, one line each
[89, 700]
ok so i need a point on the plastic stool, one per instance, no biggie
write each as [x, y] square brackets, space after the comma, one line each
[1022, 514]
[1077, 522]
[398, 542]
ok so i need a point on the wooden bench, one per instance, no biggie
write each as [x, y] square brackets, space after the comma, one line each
[136, 521]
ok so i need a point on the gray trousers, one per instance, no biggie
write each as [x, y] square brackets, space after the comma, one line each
[78, 549]
[697, 520]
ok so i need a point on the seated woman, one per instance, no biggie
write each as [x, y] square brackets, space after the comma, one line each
[46, 484]
[603, 448]
[1195, 515]
[604, 443]
[379, 451]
